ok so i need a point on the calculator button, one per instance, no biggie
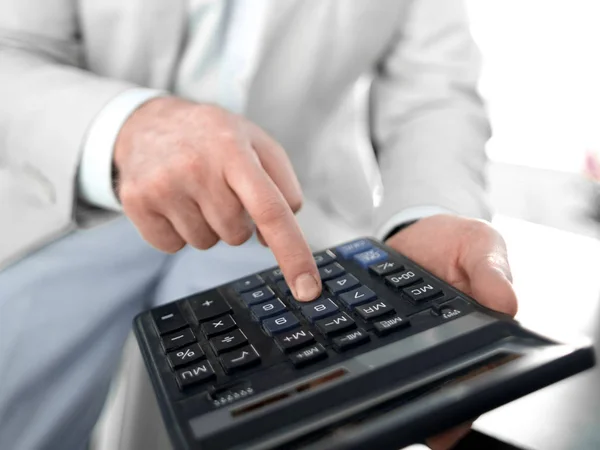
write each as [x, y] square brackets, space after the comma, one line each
[373, 256]
[185, 355]
[294, 339]
[351, 339]
[323, 258]
[178, 339]
[275, 275]
[354, 247]
[268, 309]
[248, 284]
[357, 296]
[197, 373]
[228, 341]
[283, 288]
[402, 279]
[390, 325]
[385, 268]
[258, 296]
[335, 324]
[422, 291]
[218, 325]
[374, 309]
[331, 271]
[206, 307]
[318, 309]
[279, 324]
[452, 309]
[239, 359]
[308, 355]
[342, 284]
[168, 318]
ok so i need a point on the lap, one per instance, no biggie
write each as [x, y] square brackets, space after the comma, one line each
[65, 312]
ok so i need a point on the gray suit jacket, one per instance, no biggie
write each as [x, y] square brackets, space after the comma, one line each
[61, 61]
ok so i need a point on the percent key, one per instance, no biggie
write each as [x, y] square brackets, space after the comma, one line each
[185, 355]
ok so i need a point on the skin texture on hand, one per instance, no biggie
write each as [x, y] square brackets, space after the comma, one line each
[196, 174]
[471, 256]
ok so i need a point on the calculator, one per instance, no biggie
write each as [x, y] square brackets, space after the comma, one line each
[387, 356]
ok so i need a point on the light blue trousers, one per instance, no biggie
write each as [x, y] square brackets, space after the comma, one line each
[65, 312]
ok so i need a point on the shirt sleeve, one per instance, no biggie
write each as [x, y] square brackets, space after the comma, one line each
[95, 184]
[409, 215]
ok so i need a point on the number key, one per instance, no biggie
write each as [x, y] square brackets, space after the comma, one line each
[331, 271]
[279, 324]
[258, 296]
[268, 309]
[402, 279]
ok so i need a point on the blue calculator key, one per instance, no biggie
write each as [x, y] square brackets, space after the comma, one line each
[354, 247]
[316, 310]
[248, 284]
[342, 284]
[275, 275]
[258, 296]
[279, 324]
[323, 258]
[357, 296]
[331, 271]
[373, 256]
[268, 309]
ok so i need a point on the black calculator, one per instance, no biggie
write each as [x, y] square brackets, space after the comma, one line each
[386, 357]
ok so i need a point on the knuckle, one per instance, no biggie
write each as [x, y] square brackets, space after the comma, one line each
[129, 195]
[205, 241]
[172, 246]
[159, 185]
[272, 212]
[238, 236]
[296, 202]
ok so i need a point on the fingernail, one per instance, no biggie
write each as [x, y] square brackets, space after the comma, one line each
[307, 287]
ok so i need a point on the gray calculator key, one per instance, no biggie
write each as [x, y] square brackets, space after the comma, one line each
[323, 258]
[316, 310]
[258, 296]
[331, 271]
[342, 284]
[248, 284]
[268, 309]
[279, 324]
[357, 296]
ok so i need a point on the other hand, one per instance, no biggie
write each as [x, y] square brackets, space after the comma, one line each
[471, 256]
[196, 174]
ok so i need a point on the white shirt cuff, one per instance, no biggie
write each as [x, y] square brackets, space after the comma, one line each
[409, 215]
[95, 182]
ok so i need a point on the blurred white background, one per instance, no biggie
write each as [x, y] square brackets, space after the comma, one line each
[541, 78]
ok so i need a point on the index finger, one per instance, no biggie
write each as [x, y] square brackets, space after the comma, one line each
[277, 224]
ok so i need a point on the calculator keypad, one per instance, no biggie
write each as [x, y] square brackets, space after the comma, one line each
[368, 295]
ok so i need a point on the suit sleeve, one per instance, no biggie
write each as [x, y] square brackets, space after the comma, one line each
[49, 99]
[429, 126]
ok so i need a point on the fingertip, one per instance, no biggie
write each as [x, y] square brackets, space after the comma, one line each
[306, 287]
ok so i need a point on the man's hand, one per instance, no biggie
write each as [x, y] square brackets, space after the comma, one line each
[197, 174]
[470, 255]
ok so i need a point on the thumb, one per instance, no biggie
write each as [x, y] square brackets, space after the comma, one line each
[491, 284]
